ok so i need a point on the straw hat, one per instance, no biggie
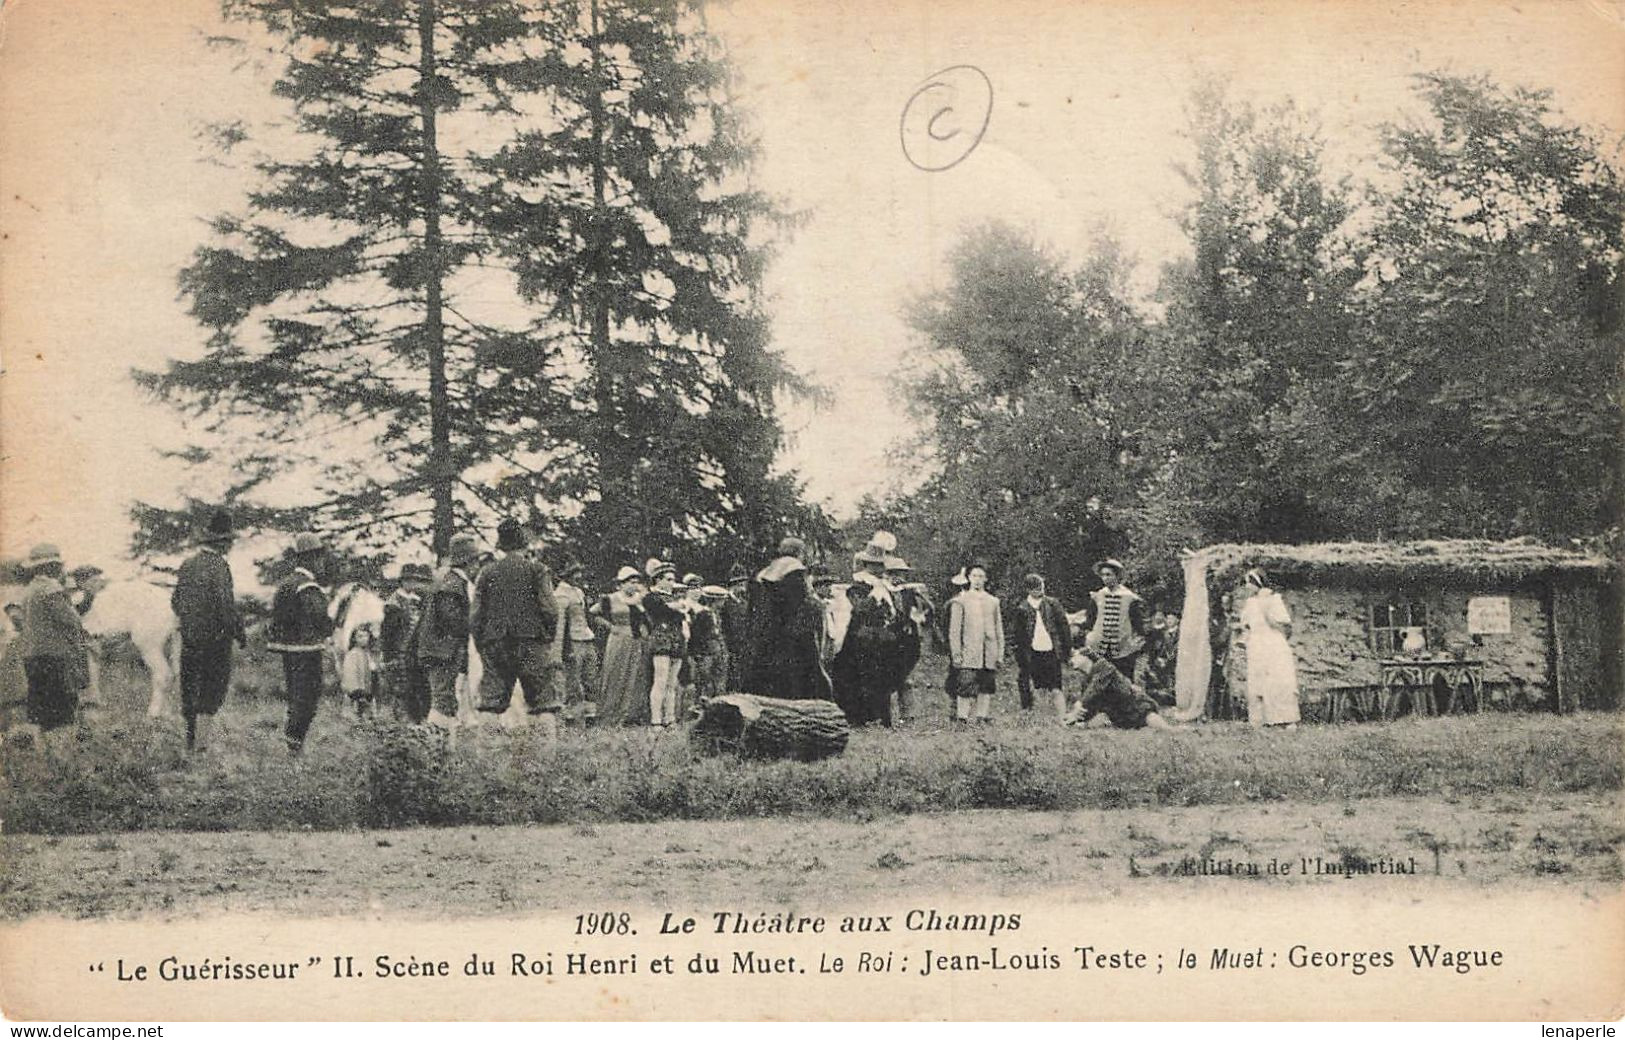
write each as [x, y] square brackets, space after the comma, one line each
[871, 554]
[655, 568]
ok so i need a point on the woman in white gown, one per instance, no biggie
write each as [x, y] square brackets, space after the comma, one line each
[1272, 672]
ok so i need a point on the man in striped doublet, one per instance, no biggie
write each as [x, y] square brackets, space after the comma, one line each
[1115, 620]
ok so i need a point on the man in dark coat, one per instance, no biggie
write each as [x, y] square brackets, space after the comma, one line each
[1041, 638]
[513, 622]
[866, 665]
[705, 661]
[405, 683]
[914, 610]
[205, 606]
[1108, 697]
[442, 638]
[785, 625]
[299, 632]
[734, 612]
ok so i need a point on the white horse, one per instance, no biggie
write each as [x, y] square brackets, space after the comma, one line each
[140, 610]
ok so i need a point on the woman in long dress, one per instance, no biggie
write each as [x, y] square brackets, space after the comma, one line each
[621, 687]
[1272, 672]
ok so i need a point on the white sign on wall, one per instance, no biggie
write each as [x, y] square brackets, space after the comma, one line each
[1489, 615]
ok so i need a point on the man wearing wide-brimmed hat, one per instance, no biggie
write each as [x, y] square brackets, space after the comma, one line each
[514, 620]
[1114, 620]
[733, 611]
[405, 684]
[299, 632]
[865, 665]
[914, 610]
[786, 624]
[53, 645]
[442, 639]
[205, 606]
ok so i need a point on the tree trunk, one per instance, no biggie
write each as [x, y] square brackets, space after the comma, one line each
[769, 727]
[439, 468]
[619, 473]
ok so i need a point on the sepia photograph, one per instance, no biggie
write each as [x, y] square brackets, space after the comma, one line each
[769, 510]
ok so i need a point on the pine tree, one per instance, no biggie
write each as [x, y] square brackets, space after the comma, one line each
[448, 297]
[342, 360]
[653, 283]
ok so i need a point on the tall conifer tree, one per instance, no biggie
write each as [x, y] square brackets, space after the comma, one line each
[508, 260]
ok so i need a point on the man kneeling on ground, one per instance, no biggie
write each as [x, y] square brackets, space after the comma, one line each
[1109, 698]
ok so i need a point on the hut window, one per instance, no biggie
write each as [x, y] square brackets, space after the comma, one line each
[1389, 620]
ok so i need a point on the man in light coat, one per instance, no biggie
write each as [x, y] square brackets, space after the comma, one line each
[975, 646]
[577, 644]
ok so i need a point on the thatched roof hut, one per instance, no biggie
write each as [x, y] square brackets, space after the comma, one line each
[1540, 624]
[1450, 561]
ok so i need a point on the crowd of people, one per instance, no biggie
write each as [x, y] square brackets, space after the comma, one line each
[654, 647]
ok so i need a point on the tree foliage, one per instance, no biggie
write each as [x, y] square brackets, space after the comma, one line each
[1434, 352]
[1027, 393]
[1481, 395]
[504, 259]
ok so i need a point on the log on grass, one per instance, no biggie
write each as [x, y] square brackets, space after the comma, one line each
[770, 727]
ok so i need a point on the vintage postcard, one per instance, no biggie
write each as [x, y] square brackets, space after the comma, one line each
[768, 510]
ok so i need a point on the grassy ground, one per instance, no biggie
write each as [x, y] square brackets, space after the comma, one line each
[1568, 841]
[128, 774]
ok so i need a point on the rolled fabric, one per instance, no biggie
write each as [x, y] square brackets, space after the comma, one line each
[1193, 669]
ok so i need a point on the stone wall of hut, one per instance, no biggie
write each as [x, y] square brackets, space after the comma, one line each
[1331, 640]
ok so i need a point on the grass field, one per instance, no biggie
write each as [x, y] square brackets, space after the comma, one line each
[130, 774]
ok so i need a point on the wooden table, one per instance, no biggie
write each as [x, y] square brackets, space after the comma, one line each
[1420, 676]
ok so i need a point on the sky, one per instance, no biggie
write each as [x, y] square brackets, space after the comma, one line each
[104, 186]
